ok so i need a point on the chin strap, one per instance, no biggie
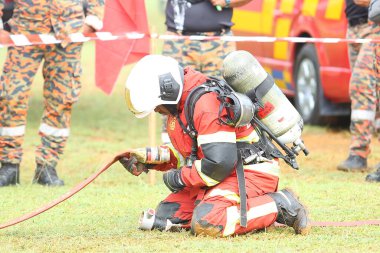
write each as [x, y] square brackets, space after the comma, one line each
[172, 109]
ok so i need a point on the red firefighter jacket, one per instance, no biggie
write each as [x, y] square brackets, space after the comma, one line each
[217, 151]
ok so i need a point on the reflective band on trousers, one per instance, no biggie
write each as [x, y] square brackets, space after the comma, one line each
[233, 215]
[12, 131]
[271, 168]
[225, 194]
[53, 131]
[363, 115]
[262, 210]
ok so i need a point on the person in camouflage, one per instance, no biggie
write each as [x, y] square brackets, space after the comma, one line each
[61, 72]
[203, 18]
[364, 94]
[365, 97]
[375, 176]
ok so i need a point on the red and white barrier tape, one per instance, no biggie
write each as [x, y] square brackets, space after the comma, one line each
[43, 39]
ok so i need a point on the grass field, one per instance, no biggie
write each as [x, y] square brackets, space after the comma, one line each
[104, 216]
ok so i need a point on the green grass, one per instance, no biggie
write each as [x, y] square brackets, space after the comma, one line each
[103, 217]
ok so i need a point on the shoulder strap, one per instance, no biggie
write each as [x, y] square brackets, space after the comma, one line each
[189, 108]
[221, 88]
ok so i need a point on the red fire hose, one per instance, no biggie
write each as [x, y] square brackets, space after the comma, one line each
[65, 196]
[86, 182]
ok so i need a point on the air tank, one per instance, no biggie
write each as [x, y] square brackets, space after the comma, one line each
[245, 74]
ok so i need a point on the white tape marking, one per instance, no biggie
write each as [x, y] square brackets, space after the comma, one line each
[106, 36]
[49, 39]
[20, 40]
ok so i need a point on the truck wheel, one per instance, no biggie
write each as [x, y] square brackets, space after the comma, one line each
[308, 87]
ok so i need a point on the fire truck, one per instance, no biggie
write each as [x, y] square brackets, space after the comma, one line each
[314, 75]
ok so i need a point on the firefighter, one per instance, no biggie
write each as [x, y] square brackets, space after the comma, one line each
[364, 94]
[363, 103]
[205, 195]
[61, 72]
[375, 175]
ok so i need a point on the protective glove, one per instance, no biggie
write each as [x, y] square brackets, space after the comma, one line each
[133, 166]
[151, 155]
[173, 181]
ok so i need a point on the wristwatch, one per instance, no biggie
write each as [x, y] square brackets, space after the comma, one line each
[228, 2]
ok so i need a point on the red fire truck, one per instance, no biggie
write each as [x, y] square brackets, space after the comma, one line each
[316, 75]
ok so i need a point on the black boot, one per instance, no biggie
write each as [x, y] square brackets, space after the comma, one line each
[354, 163]
[9, 174]
[291, 212]
[375, 176]
[47, 175]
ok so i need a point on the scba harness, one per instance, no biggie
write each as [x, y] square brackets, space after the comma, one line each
[241, 111]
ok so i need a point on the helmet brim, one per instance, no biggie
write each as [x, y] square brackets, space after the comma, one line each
[137, 113]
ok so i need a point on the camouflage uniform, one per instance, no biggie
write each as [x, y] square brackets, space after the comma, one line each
[61, 72]
[364, 98]
[198, 18]
[205, 56]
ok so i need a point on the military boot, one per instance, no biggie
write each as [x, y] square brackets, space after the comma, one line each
[46, 175]
[291, 212]
[354, 163]
[9, 174]
[375, 176]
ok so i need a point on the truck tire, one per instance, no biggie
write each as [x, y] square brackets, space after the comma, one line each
[308, 87]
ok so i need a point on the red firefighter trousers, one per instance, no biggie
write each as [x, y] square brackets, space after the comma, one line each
[216, 211]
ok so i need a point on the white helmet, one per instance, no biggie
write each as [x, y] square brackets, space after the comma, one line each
[154, 80]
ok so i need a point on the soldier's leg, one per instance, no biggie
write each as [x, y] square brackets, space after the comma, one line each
[353, 48]
[356, 32]
[363, 96]
[377, 123]
[375, 175]
[19, 70]
[363, 110]
[62, 87]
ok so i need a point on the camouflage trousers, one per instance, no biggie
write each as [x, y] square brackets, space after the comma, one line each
[205, 56]
[61, 72]
[364, 96]
[357, 32]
